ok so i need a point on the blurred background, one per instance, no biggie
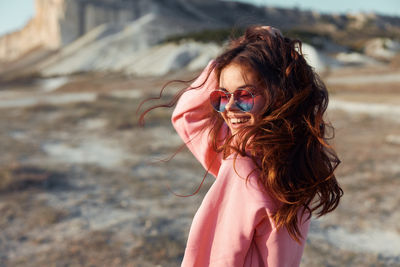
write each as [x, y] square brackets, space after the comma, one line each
[82, 185]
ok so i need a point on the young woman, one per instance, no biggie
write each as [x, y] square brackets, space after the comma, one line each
[254, 119]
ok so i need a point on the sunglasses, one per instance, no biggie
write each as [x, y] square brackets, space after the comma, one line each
[243, 99]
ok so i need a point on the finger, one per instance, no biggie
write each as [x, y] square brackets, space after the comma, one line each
[272, 30]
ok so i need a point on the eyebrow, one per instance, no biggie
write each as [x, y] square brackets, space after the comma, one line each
[240, 87]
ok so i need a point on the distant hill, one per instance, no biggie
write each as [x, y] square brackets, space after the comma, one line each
[58, 23]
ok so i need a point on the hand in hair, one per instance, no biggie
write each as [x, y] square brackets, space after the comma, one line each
[272, 30]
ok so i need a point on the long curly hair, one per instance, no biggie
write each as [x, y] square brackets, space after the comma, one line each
[289, 144]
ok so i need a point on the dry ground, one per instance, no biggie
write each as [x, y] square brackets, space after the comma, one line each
[82, 185]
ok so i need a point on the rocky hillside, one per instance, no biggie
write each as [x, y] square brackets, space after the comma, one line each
[116, 32]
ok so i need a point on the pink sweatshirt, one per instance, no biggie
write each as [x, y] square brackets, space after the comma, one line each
[233, 226]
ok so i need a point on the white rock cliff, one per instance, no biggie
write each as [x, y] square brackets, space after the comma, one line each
[42, 31]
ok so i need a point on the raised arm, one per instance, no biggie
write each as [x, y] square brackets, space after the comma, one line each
[191, 121]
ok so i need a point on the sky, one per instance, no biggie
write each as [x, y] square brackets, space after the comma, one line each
[14, 14]
[386, 7]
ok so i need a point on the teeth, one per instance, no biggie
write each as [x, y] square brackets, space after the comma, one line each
[239, 120]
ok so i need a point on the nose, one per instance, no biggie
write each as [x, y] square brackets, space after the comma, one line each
[231, 105]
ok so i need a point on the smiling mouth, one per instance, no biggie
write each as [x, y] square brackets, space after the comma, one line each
[239, 121]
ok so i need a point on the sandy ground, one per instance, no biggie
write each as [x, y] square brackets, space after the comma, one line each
[82, 185]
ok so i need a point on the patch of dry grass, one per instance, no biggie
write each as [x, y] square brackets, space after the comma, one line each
[16, 177]
[164, 250]
[97, 248]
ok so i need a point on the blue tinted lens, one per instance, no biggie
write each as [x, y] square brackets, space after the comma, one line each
[218, 100]
[243, 99]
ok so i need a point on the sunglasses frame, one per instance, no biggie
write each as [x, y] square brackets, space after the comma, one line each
[229, 95]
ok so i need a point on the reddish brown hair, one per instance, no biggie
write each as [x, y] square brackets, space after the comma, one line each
[289, 145]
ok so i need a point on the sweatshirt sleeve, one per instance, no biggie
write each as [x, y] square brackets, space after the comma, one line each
[190, 120]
